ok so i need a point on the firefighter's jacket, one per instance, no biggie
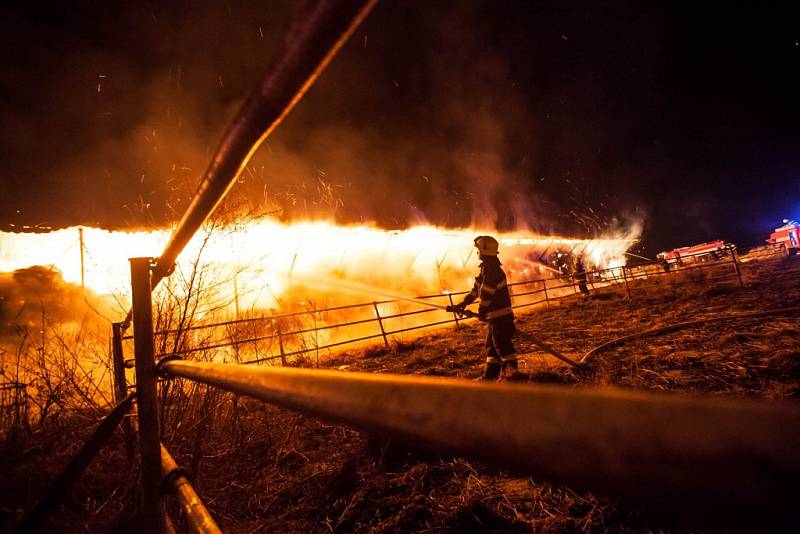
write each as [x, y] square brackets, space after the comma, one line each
[492, 288]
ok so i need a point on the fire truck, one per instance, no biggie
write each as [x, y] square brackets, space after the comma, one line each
[787, 235]
[713, 250]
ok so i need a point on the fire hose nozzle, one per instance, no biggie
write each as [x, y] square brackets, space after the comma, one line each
[459, 310]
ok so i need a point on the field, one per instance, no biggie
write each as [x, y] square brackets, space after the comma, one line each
[261, 469]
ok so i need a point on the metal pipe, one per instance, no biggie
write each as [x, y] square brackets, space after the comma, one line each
[33, 520]
[146, 377]
[316, 36]
[198, 518]
[736, 266]
[625, 279]
[120, 384]
[81, 245]
[711, 456]
[380, 323]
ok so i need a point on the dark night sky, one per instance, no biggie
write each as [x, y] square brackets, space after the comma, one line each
[564, 116]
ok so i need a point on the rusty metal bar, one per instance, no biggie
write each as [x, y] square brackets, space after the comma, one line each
[280, 344]
[714, 456]
[625, 279]
[407, 314]
[418, 327]
[146, 378]
[35, 519]
[546, 298]
[198, 518]
[736, 266]
[455, 315]
[120, 384]
[313, 349]
[264, 318]
[380, 323]
[83, 248]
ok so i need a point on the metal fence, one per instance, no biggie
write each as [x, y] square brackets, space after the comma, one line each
[281, 336]
[764, 252]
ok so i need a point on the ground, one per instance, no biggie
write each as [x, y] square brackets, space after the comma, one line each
[262, 469]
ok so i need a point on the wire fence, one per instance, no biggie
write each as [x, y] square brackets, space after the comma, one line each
[320, 331]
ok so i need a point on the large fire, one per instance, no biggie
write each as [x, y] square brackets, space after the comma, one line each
[248, 270]
[266, 264]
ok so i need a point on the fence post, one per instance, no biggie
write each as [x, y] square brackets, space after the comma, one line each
[153, 516]
[280, 343]
[736, 267]
[455, 315]
[380, 322]
[82, 247]
[120, 384]
[546, 298]
[625, 279]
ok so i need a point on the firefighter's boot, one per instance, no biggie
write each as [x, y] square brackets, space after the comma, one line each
[510, 364]
[492, 369]
[511, 369]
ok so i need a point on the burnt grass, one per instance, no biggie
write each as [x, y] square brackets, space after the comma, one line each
[263, 469]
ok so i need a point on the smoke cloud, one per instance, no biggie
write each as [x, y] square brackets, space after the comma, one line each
[28, 294]
[443, 131]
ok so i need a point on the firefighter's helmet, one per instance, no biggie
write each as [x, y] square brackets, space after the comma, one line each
[486, 245]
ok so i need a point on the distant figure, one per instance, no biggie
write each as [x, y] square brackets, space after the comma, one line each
[581, 277]
[495, 309]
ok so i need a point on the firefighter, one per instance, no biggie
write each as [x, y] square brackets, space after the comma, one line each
[494, 309]
[580, 269]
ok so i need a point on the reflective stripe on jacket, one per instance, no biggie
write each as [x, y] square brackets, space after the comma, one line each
[491, 286]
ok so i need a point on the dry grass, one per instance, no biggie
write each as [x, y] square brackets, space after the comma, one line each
[261, 469]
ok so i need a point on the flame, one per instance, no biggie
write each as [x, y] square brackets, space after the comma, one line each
[267, 263]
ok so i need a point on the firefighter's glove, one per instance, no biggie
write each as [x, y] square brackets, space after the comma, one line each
[456, 308]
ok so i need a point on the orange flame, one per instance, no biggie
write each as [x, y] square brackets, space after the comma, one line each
[266, 261]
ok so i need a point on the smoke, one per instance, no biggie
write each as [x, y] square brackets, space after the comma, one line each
[449, 161]
[443, 130]
[36, 296]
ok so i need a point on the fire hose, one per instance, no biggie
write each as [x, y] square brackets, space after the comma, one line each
[677, 326]
[647, 333]
[533, 339]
